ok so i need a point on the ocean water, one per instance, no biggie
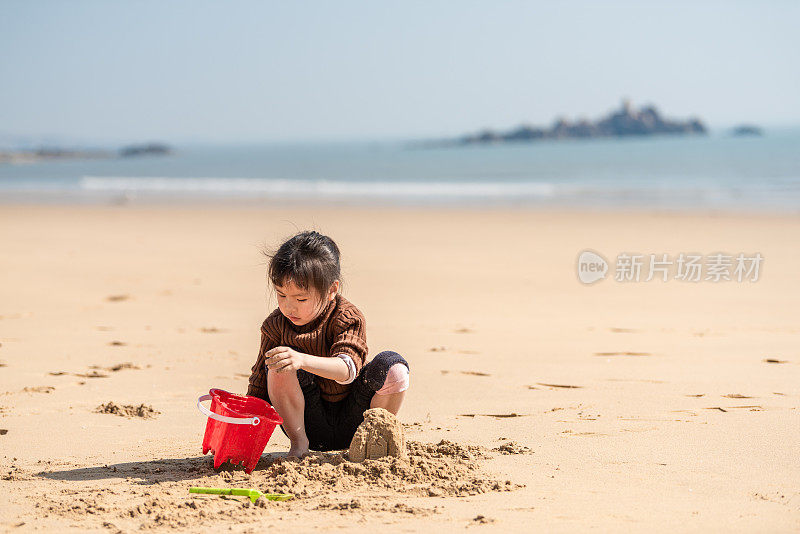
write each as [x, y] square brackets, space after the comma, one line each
[713, 172]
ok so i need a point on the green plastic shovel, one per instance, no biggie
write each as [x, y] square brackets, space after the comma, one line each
[253, 494]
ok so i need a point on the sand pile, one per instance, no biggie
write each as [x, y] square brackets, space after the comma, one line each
[379, 435]
[127, 410]
[326, 482]
[427, 469]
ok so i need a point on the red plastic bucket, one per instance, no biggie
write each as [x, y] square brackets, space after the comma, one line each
[238, 427]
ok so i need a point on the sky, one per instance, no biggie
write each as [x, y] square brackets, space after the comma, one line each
[260, 71]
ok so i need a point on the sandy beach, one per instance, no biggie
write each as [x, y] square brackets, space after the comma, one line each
[536, 402]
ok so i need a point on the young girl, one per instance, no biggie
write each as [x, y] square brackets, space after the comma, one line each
[312, 365]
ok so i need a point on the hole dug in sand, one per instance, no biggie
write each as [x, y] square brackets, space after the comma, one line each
[379, 435]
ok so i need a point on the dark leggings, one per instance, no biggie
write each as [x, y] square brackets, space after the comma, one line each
[331, 425]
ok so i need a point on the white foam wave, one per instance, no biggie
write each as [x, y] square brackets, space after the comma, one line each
[320, 188]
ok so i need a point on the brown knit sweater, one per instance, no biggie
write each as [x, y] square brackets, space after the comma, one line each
[339, 329]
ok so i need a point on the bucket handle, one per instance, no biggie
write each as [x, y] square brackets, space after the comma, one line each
[225, 419]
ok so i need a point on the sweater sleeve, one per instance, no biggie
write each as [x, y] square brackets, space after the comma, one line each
[350, 338]
[258, 374]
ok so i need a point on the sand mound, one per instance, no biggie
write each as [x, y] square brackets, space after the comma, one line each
[321, 482]
[126, 410]
[379, 435]
[427, 469]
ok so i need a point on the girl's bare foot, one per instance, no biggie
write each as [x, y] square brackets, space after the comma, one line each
[298, 450]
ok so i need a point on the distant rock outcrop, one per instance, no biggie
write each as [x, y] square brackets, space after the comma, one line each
[36, 155]
[621, 123]
[149, 149]
[747, 129]
[20, 157]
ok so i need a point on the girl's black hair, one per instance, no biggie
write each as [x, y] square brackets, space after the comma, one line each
[309, 259]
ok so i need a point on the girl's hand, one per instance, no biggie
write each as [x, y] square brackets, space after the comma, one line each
[282, 359]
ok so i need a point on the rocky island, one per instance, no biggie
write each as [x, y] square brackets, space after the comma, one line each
[149, 149]
[625, 122]
[747, 129]
[23, 156]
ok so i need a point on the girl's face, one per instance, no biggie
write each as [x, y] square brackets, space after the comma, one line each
[301, 306]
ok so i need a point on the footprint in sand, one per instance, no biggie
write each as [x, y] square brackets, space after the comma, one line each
[463, 330]
[117, 298]
[737, 396]
[751, 407]
[773, 360]
[437, 349]
[212, 330]
[117, 367]
[623, 330]
[39, 389]
[557, 385]
[475, 373]
[117, 343]
[777, 497]
[512, 447]
[90, 374]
